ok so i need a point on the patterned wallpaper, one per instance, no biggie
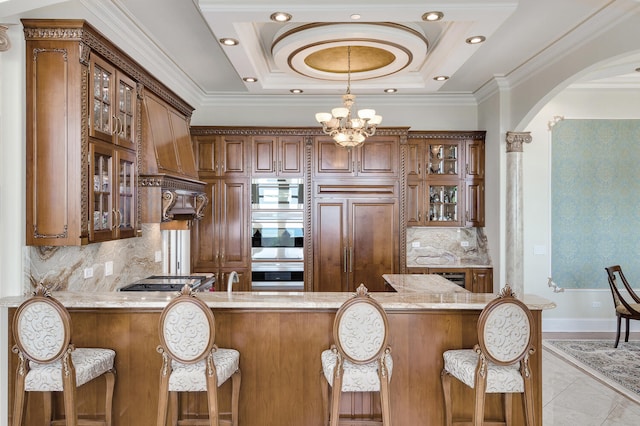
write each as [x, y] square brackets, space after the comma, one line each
[595, 201]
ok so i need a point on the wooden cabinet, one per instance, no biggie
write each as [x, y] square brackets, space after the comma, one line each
[376, 157]
[481, 280]
[274, 156]
[112, 105]
[476, 280]
[221, 155]
[221, 240]
[354, 241]
[445, 179]
[81, 138]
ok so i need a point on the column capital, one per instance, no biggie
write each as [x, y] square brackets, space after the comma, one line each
[516, 139]
[5, 43]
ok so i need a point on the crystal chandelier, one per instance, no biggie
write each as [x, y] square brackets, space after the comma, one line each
[345, 130]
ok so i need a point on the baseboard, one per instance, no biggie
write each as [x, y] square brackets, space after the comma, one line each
[574, 325]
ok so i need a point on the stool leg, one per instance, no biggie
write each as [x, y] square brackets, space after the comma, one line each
[69, 391]
[324, 389]
[445, 378]
[212, 396]
[163, 398]
[236, 379]
[336, 390]
[110, 379]
[529, 409]
[19, 401]
[384, 401]
[479, 390]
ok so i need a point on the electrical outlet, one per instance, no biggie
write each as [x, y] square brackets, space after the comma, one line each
[464, 243]
[88, 272]
[415, 244]
[596, 304]
[108, 268]
[158, 256]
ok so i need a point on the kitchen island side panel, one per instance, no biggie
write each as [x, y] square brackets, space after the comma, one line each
[280, 363]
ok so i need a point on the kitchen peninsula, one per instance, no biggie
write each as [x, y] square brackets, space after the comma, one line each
[280, 337]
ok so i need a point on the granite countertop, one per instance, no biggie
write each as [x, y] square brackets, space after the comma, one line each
[413, 292]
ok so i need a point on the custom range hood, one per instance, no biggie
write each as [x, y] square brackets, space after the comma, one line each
[168, 180]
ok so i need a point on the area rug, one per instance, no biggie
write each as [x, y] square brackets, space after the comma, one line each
[617, 367]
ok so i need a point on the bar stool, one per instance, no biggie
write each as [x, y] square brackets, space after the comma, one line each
[499, 363]
[191, 362]
[360, 359]
[49, 362]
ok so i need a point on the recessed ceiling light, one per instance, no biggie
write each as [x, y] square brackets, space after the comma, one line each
[229, 41]
[475, 39]
[280, 17]
[441, 78]
[432, 16]
[296, 91]
[250, 79]
[390, 90]
[356, 16]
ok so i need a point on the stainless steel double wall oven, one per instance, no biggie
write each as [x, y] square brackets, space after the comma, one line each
[277, 235]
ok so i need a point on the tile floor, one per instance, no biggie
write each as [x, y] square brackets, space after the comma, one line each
[571, 397]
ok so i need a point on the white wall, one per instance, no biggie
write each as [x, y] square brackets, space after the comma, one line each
[574, 310]
[12, 184]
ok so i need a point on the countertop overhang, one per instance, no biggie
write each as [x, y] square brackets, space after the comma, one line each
[413, 292]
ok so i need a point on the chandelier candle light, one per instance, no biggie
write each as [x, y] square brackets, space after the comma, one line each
[345, 130]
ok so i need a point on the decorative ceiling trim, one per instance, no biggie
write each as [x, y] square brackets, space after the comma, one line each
[294, 46]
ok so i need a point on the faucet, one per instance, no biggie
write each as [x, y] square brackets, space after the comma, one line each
[233, 278]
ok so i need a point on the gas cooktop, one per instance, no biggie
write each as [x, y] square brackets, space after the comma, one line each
[171, 283]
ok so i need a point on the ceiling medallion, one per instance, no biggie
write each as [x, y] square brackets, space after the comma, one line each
[317, 50]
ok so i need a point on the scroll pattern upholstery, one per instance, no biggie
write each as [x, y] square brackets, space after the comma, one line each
[88, 362]
[361, 331]
[41, 331]
[192, 377]
[507, 332]
[186, 331]
[356, 378]
[462, 364]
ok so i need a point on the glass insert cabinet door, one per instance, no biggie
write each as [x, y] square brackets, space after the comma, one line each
[443, 204]
[443, 159]
[102, 94]
[113, 199]
[101, 220]
[126, 213]
[125, 129]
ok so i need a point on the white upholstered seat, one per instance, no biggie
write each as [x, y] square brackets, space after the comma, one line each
[360, 359]
[191, 360]
[50, 363]
[499, 363]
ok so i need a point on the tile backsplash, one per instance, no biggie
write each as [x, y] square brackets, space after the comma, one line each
[63, 268]
[455, 247]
